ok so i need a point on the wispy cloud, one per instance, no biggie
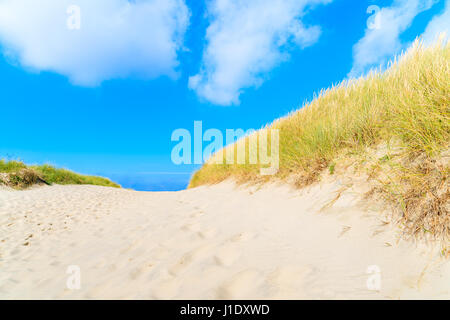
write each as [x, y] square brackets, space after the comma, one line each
[116, 38]
[439, 24]
[245, 40]
[382, 41]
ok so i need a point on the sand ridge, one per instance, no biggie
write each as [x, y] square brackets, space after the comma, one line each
[325, 241]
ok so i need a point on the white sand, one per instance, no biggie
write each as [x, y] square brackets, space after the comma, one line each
[214, 242]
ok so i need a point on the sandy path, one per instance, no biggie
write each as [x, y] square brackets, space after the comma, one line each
[207, 243]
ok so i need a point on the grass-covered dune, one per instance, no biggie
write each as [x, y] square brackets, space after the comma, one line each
[18, 175]
[407, 106]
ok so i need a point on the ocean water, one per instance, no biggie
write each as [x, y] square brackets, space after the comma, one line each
[152, 182]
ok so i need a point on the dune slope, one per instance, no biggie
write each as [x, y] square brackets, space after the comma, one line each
[404, 110]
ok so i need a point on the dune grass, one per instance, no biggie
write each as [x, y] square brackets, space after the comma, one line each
[19, 175]
[408, 104]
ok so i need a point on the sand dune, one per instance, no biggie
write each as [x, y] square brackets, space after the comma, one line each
[217, 242]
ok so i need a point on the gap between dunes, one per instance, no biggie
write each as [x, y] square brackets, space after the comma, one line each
[325, 241]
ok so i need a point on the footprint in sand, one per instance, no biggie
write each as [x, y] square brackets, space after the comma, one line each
[191, 227]
[142, 270]
[133, 245]
[135, 273]
[242, 285]
[197, 214]
[192, 256]
[227, 255]
[288, 281]
[243, 236]
[207, 233]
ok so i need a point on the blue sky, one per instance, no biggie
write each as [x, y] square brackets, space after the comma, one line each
[105, 98]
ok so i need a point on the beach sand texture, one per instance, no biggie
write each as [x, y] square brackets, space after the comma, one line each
[325, 241]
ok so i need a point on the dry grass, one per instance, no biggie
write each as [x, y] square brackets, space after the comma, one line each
[408, 104]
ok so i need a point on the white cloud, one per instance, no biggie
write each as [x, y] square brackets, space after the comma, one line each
[117, 38]
[439, 24]
[380, 44]
[246, 39]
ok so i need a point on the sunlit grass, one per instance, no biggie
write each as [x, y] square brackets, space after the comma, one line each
[19, 175]
[409, 104]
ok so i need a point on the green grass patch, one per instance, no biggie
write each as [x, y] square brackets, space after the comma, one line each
[331, 168]
[19, 175]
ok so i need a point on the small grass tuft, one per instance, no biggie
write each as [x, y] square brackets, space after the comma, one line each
[332, 168]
